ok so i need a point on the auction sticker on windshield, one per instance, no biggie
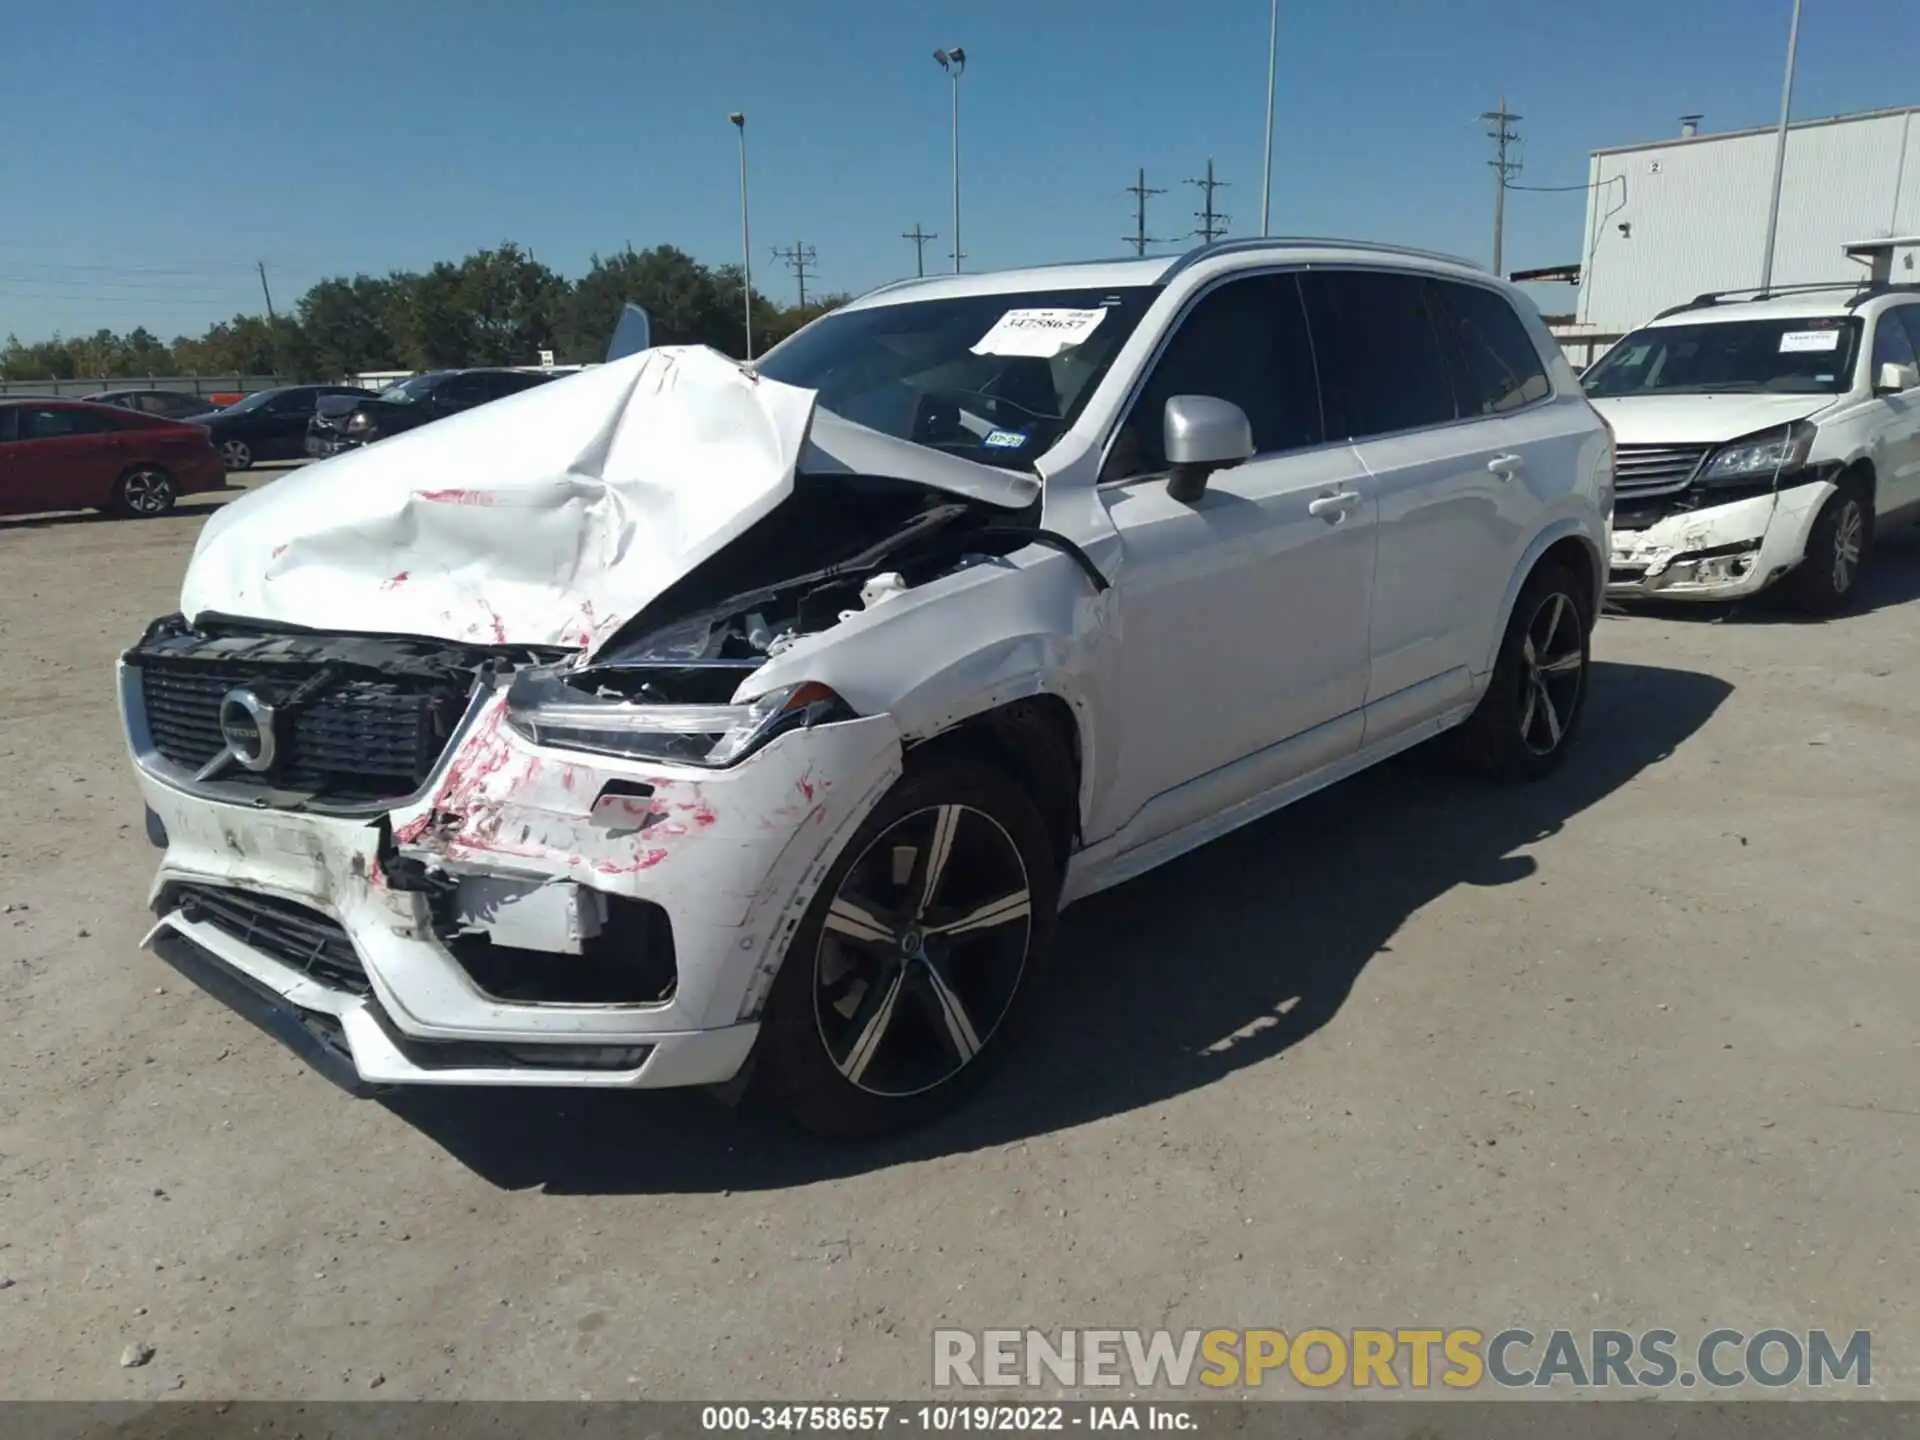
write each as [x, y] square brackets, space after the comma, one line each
[1040, 333]
[1792, 341]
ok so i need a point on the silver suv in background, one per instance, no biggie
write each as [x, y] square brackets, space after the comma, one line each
[681, 721]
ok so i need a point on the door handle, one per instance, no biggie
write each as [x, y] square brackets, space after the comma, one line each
[1504, 465]
[1334, 507]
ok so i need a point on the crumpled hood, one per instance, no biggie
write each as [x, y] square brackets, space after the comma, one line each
[1701, 419]
[549, 517]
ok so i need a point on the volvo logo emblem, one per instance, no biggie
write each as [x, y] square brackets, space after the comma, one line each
[246, 727]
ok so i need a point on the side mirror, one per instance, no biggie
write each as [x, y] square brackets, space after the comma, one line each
[1895, 377]
[1202, 435]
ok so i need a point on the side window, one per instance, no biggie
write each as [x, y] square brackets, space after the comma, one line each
[1245, 341]
[463, 390]
[1892, 344]
[9, 424]
[1910, 315]
[294, 402]
[1381, 365]
[1496, 367]
[52, 424]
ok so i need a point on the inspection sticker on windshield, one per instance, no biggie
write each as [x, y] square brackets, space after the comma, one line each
[1795, 340]
[1005, 439]
[1041, 333]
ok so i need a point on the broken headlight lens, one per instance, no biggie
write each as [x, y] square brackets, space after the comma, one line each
[548, 711]
[1752, 457]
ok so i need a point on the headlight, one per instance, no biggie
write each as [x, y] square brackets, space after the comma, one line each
[1769, 452]
[358, 424]
[549, 711]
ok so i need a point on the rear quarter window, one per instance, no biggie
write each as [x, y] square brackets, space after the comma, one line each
[1496, 367]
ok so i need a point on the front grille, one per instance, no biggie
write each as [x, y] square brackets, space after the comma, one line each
[1655, 469]
[292, 934]
[353, 739]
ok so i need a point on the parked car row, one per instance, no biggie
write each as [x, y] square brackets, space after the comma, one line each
[347, 421]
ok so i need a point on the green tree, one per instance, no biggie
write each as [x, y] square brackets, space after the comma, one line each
[350, 325]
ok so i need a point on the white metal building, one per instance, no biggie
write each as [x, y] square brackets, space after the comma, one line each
[1674, 218]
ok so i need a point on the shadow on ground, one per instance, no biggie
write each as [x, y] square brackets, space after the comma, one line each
[1255, 940]
[1892, 578]
[192, 506]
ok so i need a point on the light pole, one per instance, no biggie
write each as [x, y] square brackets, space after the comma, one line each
[746, 248]
[1273, 58]
[953, 60]
[1780, 151]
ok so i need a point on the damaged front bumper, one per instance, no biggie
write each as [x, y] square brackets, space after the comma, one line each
[531, 916]
[1715, 552]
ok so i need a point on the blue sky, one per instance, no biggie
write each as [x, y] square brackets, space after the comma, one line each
[157, 150]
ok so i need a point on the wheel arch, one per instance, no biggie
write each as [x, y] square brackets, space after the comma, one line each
[1568, 543]
[1035, 739]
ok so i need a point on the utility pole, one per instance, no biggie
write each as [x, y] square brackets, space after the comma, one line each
[1780, 151]
[1213, 223]
[1503, 171]
[738, 120]
[919, 238]
[1140, 191]
[261, 266]
[799, 258]
[1273, 64]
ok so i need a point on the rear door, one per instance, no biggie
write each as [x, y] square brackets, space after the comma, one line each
[282, 425]
[61, 457]
[1437, 411]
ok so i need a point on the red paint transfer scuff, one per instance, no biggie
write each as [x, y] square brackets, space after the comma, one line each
[457, 497]
[395, 582]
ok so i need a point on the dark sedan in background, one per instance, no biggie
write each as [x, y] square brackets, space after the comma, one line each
[272, 424]
[344, 424]
[167, 404]
[73, 455]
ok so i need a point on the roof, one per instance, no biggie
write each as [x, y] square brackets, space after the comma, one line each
[1147, 270]
[1675, 140]
[1836, 302]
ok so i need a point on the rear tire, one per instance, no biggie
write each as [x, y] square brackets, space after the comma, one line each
[1524, 723]
[1824, 582]
[236, 455]
[896, 995]
[144, 492]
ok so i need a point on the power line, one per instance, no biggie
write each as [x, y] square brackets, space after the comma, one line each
[798, 257]
[1140, 191]
[919, 238]
[1503, 171]
[1213, 223]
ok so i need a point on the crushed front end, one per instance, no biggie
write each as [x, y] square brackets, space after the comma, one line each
[370, 852]
[1699, 522]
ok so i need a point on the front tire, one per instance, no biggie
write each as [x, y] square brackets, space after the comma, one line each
[1524, 723]
[236, 455]
[1824, 582]
[902, 982]
[145, 491]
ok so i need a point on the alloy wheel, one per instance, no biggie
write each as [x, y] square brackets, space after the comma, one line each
[1849, 539]
[922, 950]
[235, 455]
[1552, 669]
[147, 492]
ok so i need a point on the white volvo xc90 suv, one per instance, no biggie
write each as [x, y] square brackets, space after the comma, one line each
[682, 721]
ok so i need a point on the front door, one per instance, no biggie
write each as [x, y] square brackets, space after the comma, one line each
[1243, 617]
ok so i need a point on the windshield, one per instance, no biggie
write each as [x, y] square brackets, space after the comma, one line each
[993, 378]
[1789, 356]
[405, 392]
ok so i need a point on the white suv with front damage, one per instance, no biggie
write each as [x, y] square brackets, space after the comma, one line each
[1762, 439]
[684, 721]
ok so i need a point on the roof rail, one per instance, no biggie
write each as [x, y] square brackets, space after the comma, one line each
[1873, 292]
[1251, 244]
[1757, 292]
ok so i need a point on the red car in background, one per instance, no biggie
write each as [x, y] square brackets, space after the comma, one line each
[74, 455]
